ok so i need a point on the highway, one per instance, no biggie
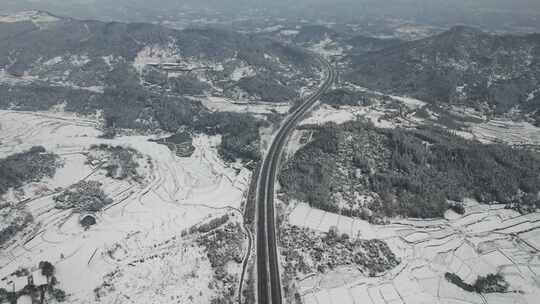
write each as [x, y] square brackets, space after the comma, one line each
[268, 278]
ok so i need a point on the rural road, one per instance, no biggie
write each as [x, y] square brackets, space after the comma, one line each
[268, 278]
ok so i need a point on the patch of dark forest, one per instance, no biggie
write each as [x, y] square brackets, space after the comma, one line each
[223, 241]
[29, 166]
[306, 252]
[414, 173]
[488, 284]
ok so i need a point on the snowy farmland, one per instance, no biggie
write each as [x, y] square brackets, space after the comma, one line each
[486, 239]
[380, 115]
[506, 131]
[136, 248]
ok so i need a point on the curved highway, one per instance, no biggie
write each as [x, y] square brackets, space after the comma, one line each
[268, 278]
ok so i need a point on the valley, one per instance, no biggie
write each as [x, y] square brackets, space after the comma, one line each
[201, 157]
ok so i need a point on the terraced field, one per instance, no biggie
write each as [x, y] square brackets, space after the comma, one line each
[135, 244]
[487, 239]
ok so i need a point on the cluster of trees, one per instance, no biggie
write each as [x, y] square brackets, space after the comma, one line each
[266, 88]
[128, 99]
[12, 221]
[240, 134]
[422, 171]
[181, 143]
[308, 176]
[181, 84]
[155, 101]
[85, 196]
[484, 56]
[488, 284]
[333, 250]
[430, 166]
[209, 226]
[345, 97]
[126, 103]
[121, 162]
[41, 96]
[24, 167]
[224, 246]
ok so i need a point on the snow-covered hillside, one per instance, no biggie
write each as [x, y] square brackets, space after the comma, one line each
[139, 249]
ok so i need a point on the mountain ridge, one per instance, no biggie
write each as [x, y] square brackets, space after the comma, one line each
[460, 66]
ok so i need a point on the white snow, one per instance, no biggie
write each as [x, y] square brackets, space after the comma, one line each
[410, 102]
[327, 47]
[5, 77]
[36, 17]
[28, 79]
[178, 273]
[156, 54]
[168, 57]
[532, 94]
[325, 114]
[305, 216]
[175, 194]
[289, 32]
[54, 61]
[428, 249]
[270, 29]
[108, 60]
[507, 131]
[79, 60]
[242, 72]
[375, 113]
[222, 104]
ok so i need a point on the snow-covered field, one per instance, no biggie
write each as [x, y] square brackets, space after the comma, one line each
[327, 47]
[514, 133]
[385, 115]
[487, 239]
[28, 78]
[37, 17]
[144, 223]
[222, 104]
[378, 114]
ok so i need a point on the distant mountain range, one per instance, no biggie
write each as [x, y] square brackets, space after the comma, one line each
[460, 66]
[41, 45]
[145, 76]
[516, 15]
[47, 60]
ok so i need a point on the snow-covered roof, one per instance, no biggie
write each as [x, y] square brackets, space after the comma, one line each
[38, 278]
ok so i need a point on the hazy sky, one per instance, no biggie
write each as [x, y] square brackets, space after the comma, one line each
[484, 13]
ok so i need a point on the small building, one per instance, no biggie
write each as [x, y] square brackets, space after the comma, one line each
[38, 279]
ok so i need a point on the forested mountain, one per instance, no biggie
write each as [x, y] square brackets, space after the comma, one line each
[360, 170]
[460, 66]
[143, 75]
[84, 53]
